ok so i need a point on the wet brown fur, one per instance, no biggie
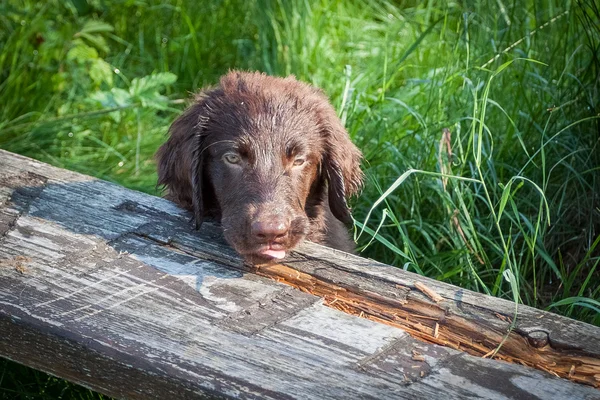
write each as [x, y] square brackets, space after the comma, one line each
[269, 124]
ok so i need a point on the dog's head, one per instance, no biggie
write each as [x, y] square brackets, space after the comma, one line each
[267, 155]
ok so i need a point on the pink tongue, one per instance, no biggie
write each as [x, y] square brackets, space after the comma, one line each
[279, 254]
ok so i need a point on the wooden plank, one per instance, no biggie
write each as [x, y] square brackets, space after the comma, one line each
[465, 320]
[539, 339]
[112, 289]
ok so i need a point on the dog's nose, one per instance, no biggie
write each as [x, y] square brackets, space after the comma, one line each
[270, 229]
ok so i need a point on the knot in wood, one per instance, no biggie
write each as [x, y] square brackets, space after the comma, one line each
[538, 339]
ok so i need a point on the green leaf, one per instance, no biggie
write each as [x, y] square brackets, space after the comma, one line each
[514, 286]
[503, 67]
[386, 243]
[151, 83]
[504, 199]
[101, 72]
[578, 301]
[155, 100]
[385, 194]
[114, 98]
[97, 41]
[94, 26]
[82, 53]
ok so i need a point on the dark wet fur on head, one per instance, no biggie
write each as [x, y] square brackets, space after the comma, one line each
[268, 158]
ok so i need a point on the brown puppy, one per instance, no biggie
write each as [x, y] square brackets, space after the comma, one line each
[269, 158]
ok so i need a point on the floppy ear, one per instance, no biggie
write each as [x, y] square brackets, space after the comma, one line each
[180, 159]
[341, 162]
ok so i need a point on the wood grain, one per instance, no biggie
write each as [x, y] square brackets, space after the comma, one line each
[112, 289]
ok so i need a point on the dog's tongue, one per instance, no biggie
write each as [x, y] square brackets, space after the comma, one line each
[279, 254]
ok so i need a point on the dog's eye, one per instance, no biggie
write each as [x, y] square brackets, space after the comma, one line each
[299, 161]
[232, 158]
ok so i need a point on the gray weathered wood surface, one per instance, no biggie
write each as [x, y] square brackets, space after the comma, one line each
[112, 289]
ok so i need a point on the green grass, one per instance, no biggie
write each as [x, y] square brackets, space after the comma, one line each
[506, 202]
[19, 382]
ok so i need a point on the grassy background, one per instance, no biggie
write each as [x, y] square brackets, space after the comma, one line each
[505, 202]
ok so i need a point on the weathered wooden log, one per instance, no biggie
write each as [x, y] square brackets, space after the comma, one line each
[114, 290]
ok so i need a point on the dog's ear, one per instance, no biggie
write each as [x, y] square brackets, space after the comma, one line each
[181, 158]
[341, 164]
